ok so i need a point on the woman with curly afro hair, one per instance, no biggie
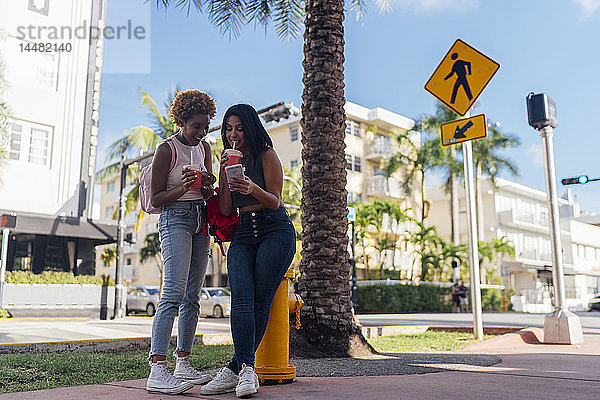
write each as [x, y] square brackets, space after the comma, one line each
[181, 179]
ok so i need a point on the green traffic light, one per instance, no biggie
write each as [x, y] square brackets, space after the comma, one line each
[582, 179]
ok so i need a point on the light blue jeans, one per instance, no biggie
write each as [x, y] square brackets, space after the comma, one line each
[185, 255]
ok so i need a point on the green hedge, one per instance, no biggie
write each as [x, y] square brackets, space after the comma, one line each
[4, 313]
[48, 277]
[417, 298]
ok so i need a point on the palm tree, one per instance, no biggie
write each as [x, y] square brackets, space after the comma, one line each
[152, 250]
[328, 317]
[417, 159]
[427, 243]
[4, 114]
[489, 160]
[137, 141]
[491, 251]
[453, 168]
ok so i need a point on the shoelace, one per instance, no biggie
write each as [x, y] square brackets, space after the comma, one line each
[247, 374]
[187, 367]
[165, 375]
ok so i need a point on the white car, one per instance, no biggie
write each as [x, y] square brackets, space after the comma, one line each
[142, 299]
[215, 302]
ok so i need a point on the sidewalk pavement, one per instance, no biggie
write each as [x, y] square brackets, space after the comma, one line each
[527, 369]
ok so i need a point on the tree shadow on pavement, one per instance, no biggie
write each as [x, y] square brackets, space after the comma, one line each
[392, 364]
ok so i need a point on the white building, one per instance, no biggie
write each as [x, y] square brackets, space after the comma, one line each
[53, 95]
[521, 214]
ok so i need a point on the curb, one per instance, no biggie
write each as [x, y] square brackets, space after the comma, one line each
[377, 331]
[107, 345]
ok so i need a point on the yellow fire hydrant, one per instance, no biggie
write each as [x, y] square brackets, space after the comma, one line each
[273, 354]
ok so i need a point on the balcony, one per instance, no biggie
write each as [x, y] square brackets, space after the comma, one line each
[379, 150]
[380, 186]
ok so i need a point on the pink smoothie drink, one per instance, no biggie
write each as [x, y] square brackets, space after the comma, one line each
[197, 184]
[233, 156]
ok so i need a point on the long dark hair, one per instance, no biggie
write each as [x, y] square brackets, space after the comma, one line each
[254, 131]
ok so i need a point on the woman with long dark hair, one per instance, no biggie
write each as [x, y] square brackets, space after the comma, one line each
[261, 249]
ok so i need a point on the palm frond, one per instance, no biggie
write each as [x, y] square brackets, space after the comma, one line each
[228, 15]
[288, 18]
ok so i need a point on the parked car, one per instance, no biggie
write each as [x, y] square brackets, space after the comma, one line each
[594, 303]
[215, 302]
[142, 299]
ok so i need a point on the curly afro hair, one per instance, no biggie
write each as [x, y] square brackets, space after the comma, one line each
[189, 103]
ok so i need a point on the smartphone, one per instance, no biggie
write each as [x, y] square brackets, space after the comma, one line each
[234, 172]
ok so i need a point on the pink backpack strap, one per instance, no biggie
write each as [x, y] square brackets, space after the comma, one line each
[173, 153]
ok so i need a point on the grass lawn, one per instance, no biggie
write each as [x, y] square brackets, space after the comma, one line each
[426, 341]
[23, 372]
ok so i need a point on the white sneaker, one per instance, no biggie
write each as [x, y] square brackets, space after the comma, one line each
[248, 381]
[224, 382]
[161, 381]
[185, 371]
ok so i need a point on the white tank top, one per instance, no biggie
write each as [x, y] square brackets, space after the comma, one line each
[184, 157]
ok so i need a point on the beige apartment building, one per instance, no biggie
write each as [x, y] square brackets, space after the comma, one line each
[520, 213]
[369, 140]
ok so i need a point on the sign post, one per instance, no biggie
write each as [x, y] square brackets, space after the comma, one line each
[457, 82]
[562, 326]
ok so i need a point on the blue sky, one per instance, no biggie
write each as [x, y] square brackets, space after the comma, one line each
[542, 46]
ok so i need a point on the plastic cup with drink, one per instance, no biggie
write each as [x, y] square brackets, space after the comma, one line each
[198, 169]
[233, 156]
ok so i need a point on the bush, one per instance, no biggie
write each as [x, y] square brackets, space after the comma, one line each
[491, 299]
[48, 277]
[403, 298]
[4, 313]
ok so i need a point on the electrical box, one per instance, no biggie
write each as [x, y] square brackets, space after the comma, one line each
[541, 111]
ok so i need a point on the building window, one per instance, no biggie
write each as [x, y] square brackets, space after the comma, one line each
[38, 70]
[16, 132]
[293, 163]
[109, 211]
[380, 171]
[30, 143]
[39, 6]
[294, 133]
[110, 187]
[352, 128]
[353, 163]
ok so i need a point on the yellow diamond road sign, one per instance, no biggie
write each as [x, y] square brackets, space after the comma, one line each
[461, 77]
[461, 130]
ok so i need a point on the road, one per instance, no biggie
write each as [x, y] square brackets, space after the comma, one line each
[35, 330]
[588, 319]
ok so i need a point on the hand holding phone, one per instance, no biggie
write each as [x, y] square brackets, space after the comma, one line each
[234, 172]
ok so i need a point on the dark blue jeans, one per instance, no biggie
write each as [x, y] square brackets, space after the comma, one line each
[260, 253]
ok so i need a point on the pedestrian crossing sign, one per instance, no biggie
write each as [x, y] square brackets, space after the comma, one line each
[461, 130]
[461, 77]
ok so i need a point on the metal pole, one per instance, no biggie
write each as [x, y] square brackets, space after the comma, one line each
[473, 249]
[353, 262]
[562, 326]
[5, 233]
[557, 270]
[119, 309]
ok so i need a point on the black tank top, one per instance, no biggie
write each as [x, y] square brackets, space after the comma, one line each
[252, 169]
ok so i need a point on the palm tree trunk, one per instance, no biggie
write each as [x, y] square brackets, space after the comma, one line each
[423, 201]
[479, 201]
[328, 326]
[454, 208]
[480, 221]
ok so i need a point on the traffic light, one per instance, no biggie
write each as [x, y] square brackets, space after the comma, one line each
[9, 221]
[578, 180]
